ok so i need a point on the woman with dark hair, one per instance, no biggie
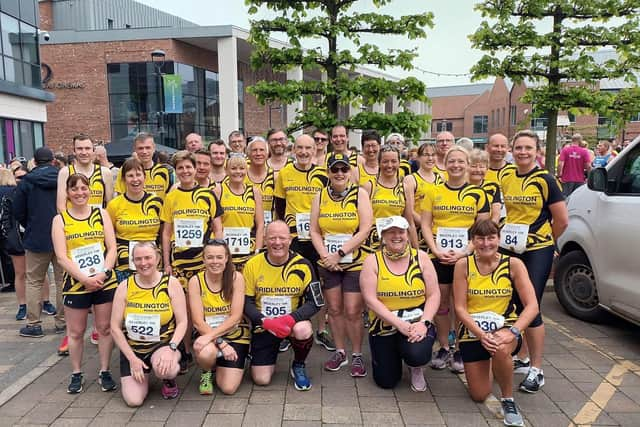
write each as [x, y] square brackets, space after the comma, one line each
[484, 284]
[85, 246]
[135, 215]
[536, 216]
[152, 308]
[216, 301]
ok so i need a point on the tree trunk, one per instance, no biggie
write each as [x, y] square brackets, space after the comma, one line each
[552, 135]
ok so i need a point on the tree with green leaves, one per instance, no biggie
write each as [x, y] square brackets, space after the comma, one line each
[550, 45]
[336, 23]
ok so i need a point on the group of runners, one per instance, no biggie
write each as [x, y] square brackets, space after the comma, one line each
[230, 264]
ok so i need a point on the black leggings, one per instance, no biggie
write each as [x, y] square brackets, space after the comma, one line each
[389, 351]
[538, 263]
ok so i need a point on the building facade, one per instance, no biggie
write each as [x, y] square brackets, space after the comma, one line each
[22, 101]
[479, 110]
[108, 84]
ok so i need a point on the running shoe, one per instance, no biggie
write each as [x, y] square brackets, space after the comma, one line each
[22, 312]
[48, 308]
[323, 338]
[357, 366]
[95, 336]
[31, 331]
[337, 360]
[521, 366]
[169, 389]
[285, 345]
[299, 374]
[533, 382]
[418, 383]
[512, 416]
[106, 381]
[455, 363]
[75, 386]
[63, 349]
[440, 359]
[206, 385]
[60, 329]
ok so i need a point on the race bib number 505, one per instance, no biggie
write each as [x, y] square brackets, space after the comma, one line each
[275, 306]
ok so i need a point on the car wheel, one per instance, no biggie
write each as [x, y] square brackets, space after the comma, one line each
[575, 286]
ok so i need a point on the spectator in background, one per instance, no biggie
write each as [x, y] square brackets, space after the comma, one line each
[573, 163]
[11, 242]
[100, 154]
[193, 142]
[465, 143]
[34, 206]
[59, 160]
[237, 142]
[603, 154]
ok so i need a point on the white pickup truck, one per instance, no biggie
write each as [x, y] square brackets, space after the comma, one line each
[599, 264]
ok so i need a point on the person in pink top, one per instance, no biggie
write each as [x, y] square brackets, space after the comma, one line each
[573, 164]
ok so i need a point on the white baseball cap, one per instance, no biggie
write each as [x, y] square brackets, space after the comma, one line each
[394, 221]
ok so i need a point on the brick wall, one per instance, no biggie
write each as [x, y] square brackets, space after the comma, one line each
[46, 15]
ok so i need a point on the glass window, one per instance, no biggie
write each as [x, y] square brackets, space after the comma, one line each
[26, 138]
[10, 36]
[12, 7]
[38, 135]
[211, 89]
[635, 117]
[29, 39]
[514, 115]
[480, 124]
[188, 79]
[4, 151]
[28, 11]
[13, 70]
[630, 180]
[444, 126]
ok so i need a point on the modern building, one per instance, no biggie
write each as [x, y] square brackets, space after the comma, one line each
[477, 111]
[105, 60]
[23, 102]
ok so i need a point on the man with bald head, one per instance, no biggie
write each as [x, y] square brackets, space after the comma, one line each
[497, 148]
[101, 158]
[193, 142]
[296, 186]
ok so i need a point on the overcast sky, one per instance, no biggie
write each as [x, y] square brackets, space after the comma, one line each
[445, 50]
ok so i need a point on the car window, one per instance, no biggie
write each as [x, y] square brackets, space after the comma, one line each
[630, 179]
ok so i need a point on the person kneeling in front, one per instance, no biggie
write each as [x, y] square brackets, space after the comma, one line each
[281, 295]
[153, 309]
[400, 287]
[484, 285]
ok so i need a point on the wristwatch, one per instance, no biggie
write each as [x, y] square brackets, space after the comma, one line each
[427, 323]
[515, 331]
[219, 340]
[173, 346]
[341, 253]
[108, 272]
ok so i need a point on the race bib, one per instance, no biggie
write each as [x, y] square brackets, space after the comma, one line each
[238, 239]
[333, 242]
[89, 258]
[513, 237]
[143, 327]
[215, 321]
[488, 321]
[410, 316]
[95, 206]
[303, 226]
[188, 233]
[452, 238]
[268, 217]
[274, 306]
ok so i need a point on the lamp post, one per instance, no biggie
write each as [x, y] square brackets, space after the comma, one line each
[157, 58]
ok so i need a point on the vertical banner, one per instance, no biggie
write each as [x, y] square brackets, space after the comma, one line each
[172, 88]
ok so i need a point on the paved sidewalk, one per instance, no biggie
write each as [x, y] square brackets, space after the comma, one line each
[585, 385]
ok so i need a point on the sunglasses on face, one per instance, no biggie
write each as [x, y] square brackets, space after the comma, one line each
[343, 169]
[320, 139]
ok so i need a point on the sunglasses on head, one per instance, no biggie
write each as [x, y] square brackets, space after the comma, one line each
[343, 169]
[217, 242]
